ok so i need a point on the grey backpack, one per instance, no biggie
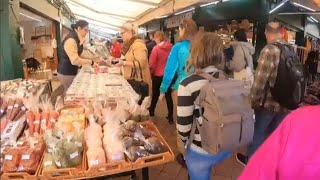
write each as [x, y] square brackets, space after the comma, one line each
[227, 116]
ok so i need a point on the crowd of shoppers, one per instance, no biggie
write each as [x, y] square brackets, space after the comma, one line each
[177, 73]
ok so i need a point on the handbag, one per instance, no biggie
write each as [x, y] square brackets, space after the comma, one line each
[245, 74]
[140, 87]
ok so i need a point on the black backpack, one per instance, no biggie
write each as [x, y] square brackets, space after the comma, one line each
[289, 87]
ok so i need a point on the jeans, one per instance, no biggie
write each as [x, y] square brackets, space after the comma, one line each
[200, 164]
[156, 83]
[266, 122]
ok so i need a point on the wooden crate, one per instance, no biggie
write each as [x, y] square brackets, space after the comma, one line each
[110, 168]
[62, 173]
[22, 175]
[154, 159]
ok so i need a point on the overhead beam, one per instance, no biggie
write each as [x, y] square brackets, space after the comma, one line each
[85, 17]
[144, 2]
[294, 13]
[76, 3]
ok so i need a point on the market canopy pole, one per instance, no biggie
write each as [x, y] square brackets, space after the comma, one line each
[168, 8]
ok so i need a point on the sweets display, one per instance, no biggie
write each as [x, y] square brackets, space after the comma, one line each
[65, 141]
[23, 156]
[23, 88]
[101, 85]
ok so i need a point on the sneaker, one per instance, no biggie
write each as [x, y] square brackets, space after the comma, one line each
[242, 159]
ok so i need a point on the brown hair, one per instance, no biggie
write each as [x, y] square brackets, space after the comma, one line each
[206, 50]
[159, 34]
[190, 29]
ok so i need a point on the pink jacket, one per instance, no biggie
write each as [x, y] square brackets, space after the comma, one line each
[159, 57]
[292, 152]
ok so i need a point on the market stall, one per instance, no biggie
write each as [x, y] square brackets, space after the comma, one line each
[97, 129]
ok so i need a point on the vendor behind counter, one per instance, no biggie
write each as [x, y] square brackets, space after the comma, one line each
[72, 55]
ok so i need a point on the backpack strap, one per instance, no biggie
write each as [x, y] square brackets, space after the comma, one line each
[244, 55]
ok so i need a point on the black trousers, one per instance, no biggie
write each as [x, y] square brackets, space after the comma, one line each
[156, 83]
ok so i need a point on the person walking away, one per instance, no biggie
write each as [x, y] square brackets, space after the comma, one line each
[136, 55]
[158, 61]
[278, 87]
[151, 43]
[242, 62]
[277, 158]
[175, 69]
[115, 48]
[72, 56]
[208, 102]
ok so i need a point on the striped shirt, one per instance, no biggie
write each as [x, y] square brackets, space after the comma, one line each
[187, 111]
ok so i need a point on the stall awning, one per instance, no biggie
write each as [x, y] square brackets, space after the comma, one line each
[107, 16]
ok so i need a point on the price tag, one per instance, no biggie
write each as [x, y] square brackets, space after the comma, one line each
[73, 155]
[47, 163]
[53, 120]
[94, 162]
[79, 144]
[8, 157]
[16, 105]
[25, 157]
[10, 107]
[58, 164]
[23, 108]
[36, 122]
[43, 121]
[20, 143]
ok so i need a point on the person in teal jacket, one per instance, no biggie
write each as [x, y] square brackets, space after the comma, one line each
[175, 71]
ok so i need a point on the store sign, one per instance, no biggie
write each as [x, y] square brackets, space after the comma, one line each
[176, 20]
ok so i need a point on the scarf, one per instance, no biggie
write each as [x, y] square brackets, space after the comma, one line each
[126, 45]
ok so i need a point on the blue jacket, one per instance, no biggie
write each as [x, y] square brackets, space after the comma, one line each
[175, 66]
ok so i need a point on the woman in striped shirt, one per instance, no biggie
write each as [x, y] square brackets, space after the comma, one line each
[206, 54]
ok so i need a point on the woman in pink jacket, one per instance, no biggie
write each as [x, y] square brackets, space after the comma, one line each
[292, 152]
[158, 61]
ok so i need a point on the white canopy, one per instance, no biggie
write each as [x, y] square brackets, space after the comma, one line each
[107, 16]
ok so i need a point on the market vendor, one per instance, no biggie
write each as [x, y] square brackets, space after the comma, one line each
[72, 56]
[135, 53]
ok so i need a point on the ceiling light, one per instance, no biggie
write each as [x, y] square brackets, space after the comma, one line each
[304, 7]
[191, 9]
[161, 17]
[314, 19]
[277, 7]
[30, 17]
[209, 4]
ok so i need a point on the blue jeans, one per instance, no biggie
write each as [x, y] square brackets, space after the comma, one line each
[266, 122]
[200, 165]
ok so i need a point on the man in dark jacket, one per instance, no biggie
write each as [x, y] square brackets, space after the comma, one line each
[150, 43]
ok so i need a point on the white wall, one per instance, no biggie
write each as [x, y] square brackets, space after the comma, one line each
[31, 45]
[48, 9]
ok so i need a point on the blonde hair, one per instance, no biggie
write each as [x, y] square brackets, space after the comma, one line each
[206, 50]
[190, 29]
[130, 27]
[159, 34]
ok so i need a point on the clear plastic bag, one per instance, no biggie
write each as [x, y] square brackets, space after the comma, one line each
[11, 160]
[154, 146]
[48, 162]
[135, 152]
[96, 157]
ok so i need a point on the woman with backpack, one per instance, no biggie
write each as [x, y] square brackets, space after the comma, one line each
[241, 63]
[205, 55]
[175, 68]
